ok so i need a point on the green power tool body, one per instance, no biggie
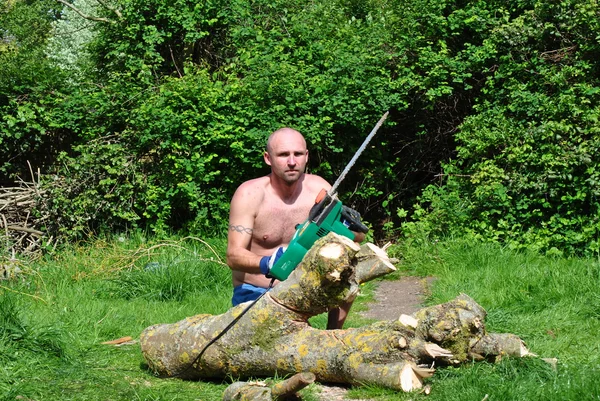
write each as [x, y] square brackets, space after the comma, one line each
[327, 215]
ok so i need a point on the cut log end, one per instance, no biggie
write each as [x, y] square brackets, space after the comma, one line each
[373, 262]
[372, 249]
[424, 372]
[497, 344]
[332, 251]
[523, 351]
[435, 351]
[408, 321]
[349, 243]
[409, 379]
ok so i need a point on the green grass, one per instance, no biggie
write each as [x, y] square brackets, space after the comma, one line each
[54, 318]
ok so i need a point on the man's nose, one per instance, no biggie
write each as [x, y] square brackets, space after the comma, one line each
[291, 161]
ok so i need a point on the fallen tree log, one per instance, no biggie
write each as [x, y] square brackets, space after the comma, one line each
[260, 391]
[274, 336]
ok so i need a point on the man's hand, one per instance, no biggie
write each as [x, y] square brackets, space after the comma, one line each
[267, 262]
[351, 218]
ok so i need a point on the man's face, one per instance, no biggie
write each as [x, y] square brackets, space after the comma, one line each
[287, 155]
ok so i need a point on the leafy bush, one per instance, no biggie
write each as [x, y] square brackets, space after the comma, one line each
[492, 101]
[30, 87]
[527, 169]
[96, 192]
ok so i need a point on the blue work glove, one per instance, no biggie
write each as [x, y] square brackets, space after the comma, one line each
[267, 262]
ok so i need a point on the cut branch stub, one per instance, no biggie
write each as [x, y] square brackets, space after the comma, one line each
[372, 262]
[497, 344]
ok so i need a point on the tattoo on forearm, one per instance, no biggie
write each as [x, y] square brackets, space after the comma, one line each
[240, 229]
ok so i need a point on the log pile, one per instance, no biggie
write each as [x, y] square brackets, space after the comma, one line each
[275, 338]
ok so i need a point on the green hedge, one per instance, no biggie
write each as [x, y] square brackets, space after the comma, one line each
[492, 129]
[527, 168]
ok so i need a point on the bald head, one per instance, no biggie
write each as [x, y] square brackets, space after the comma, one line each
[283, 135]
[287, 155]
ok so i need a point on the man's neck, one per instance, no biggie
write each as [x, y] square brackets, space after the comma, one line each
[288, 192]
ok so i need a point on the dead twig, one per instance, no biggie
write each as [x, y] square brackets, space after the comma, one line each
[89, 17]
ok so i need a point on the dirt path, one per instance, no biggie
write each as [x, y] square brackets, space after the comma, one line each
[393, 298]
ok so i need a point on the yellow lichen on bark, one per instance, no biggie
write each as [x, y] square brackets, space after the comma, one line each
[185, 358]
[355, 360]
[303, 350]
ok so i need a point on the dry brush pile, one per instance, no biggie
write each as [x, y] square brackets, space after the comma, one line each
[20, 224]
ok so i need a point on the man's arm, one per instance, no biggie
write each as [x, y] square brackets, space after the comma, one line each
[243, 209]
[359, 237]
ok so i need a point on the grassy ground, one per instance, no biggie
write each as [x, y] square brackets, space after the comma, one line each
[54, 318]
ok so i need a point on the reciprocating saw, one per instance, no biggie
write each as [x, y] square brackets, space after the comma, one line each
[327, 215]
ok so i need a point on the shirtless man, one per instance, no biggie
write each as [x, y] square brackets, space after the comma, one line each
[264, 214]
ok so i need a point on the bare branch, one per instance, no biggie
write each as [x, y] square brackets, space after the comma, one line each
[85, 16]
[175, 62]
[108, 7]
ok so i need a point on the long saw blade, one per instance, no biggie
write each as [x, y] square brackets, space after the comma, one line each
[337, 182]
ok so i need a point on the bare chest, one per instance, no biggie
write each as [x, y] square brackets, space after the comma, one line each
[276, 222]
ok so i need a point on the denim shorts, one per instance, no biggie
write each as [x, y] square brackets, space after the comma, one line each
[246, 292]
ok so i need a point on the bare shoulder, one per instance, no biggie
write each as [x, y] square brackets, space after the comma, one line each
[248, 197]
[252, 188]
[316, 183]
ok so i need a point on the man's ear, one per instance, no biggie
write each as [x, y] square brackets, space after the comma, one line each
[267, 158]
[306, 164]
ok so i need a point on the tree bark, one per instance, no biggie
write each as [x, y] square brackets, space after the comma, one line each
[274, 336]
[259, 391]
